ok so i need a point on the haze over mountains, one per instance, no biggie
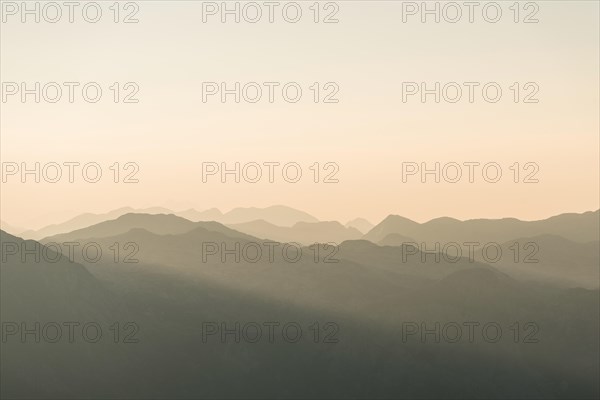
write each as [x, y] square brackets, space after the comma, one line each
[300, 200]
[43, 290]
[171, 276]
[549, 258]
[578, 227]
[164, 224]
[270, 221]
[361, 224]
[88, 219]
[302, 232]
[277, 215]
[561, 250]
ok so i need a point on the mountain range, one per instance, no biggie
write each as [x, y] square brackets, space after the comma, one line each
[363, 291]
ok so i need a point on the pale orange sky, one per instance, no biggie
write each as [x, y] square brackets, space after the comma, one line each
[369, 133]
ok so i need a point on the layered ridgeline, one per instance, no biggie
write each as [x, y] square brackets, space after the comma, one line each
[545, 258]
[302, 232]
[393, 230]
[179, 280]
[583, 228]
[276, 215]
[563, 250]
[550, 259]
[275, 222]
[361, 224]
[84, 220]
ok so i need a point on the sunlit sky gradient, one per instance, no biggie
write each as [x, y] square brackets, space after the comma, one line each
[369, 133]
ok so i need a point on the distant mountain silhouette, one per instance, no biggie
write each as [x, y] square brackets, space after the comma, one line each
[276, 215]
[88, 219]
[302, 232]
[212, 214]
[361, 224]
[162, 224]
[576, 227]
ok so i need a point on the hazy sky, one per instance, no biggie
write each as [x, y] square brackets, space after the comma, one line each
[369, 133]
